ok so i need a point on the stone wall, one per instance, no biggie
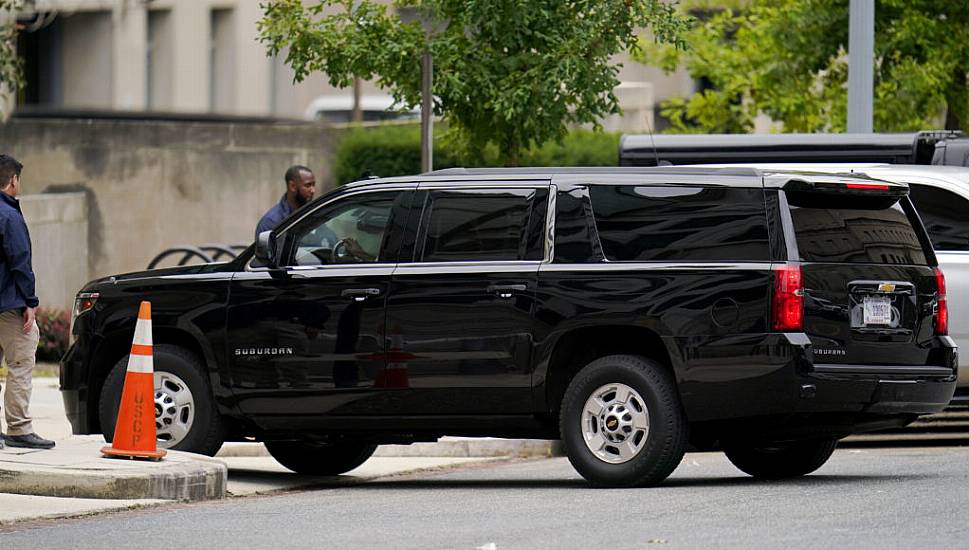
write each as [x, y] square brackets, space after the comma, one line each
[58, 225]
[150, 185]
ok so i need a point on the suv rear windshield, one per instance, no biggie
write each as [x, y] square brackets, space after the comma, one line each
[851, 230]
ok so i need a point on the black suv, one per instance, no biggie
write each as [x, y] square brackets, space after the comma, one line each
[630, 312]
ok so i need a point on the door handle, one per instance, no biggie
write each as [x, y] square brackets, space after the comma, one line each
[506, 291]
[360, 294]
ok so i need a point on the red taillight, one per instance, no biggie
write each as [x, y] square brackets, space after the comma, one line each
[871, 186]
[788, 299]
[942, 306]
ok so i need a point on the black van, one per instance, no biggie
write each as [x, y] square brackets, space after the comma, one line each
[629, 312]
[928, 147]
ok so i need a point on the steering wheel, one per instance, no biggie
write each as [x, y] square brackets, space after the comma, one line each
[336, 253]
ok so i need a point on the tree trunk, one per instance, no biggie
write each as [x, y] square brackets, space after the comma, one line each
[957, 101]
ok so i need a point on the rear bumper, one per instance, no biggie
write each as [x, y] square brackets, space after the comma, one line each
[779, 378]
[884, 389]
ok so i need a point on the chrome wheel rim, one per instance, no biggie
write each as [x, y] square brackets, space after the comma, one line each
[615, 423]
[174, 409]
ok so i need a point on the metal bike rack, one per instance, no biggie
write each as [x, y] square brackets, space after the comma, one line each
[207, 253]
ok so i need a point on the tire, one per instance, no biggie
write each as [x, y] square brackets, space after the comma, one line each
[627, 455]
[780, 460]
[186, 417]
[320, 459]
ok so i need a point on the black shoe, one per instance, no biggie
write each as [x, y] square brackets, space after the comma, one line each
[29, 441]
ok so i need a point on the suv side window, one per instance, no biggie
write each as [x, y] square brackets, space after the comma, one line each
[472, 225]
[673, 224]
[945, 214]
[351, 231]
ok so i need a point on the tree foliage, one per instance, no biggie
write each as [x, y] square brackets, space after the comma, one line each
[514, 73]
[788, 59]
[10, 62]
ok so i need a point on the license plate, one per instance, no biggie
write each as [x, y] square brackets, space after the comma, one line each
[878, 311]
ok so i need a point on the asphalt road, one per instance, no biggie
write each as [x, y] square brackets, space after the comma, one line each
[862, 498]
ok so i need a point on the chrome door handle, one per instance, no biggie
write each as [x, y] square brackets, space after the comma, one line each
[506, 291]
[360, 294]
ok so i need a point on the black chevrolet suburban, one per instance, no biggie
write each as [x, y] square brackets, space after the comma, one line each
[632, 313]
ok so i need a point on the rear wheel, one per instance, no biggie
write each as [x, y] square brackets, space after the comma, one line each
[320, 459]
[781, 460]
[621, 422]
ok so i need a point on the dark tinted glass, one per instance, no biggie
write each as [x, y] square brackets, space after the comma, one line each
[945, 215]
[680, 223]
[841, 230]
[476, 225]
[573, 228]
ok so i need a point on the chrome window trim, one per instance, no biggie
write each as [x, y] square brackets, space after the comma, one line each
[429, 268]
[660, 266]
[472, 185]
[323, 271]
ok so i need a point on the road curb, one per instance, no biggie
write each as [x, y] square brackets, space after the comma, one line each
[75, 469]
[446, 447]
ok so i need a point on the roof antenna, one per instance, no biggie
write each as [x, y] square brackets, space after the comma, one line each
[652, 141]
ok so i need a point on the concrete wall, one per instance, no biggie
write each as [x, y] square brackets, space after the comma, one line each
[58, 226]
[153, 185]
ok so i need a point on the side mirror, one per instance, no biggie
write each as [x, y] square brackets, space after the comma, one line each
[266, 249]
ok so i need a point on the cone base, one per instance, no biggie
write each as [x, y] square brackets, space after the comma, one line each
[111, 452]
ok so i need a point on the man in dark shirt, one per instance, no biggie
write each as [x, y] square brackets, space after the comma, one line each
[18, 303]
[300, 188]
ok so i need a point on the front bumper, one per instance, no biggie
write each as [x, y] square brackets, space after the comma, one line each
[74, 391]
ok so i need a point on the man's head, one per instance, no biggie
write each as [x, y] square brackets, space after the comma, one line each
[10, 175]
[300, 185]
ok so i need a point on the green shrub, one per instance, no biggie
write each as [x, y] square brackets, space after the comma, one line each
[387, 151]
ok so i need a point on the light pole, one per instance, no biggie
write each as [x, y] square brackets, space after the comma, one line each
[427, 110]
[431, 26]
[861, 62]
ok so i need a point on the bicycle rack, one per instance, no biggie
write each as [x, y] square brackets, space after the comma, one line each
[207, 253]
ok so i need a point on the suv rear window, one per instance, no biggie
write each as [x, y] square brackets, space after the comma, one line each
[672, 224]
[844, 230]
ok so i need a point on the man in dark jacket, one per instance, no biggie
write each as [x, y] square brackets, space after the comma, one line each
[300, 188]
[18, 304]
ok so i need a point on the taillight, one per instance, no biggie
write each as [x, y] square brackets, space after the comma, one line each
[942, 306]
[788, 299]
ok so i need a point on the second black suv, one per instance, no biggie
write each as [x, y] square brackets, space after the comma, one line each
[629, 312]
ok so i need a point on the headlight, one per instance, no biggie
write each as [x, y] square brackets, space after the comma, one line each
[82, 303]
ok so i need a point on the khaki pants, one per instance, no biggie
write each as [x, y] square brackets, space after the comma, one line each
[20, 351]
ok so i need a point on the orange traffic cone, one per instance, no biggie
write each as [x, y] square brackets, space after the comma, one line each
[134, 431]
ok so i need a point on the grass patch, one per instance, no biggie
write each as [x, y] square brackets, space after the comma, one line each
[41, 370]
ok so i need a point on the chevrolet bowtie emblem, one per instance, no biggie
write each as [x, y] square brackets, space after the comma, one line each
[886, 287]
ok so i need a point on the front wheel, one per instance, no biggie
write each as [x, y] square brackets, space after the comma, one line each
[186, 416]
[320, 459]
[621, 422]
[780, 460]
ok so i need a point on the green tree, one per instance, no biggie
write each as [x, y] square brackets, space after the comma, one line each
[788, 59]
[10, 62]
[514, 73]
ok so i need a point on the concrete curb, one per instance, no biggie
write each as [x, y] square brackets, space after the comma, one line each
[446, 447]
[75, 469]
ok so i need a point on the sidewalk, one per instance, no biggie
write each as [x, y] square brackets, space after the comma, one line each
[73, 479]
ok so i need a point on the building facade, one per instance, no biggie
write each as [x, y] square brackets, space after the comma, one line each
[204, 56]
